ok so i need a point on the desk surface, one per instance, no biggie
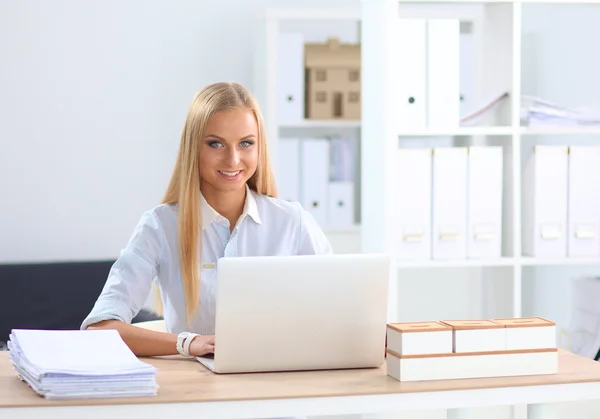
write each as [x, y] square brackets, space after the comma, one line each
[183, 380]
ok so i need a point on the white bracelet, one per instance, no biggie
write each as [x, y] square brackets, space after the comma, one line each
[180, 339]
[187, 342]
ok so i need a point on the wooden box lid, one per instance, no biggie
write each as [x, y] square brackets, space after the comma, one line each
[419, 327]
[525, 322]
[473, 324]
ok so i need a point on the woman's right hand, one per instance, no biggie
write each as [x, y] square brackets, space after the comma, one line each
[202, 345]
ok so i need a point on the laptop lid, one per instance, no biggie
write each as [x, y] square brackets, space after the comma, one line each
[285, 313]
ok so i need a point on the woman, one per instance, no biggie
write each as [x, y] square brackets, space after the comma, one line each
[222, 186]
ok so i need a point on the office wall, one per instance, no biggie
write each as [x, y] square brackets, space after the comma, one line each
[93, 96]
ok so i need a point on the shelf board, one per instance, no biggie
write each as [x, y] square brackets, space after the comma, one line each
[559, 130]
[574, 261]
[457, 131]
[314, 14]
[506, 1]
[355, 229]
[463, 263]
[323, 123]
[456, 1]
[569, 2]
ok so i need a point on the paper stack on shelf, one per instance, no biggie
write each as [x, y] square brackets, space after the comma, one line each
[539, 112]
[79, 364]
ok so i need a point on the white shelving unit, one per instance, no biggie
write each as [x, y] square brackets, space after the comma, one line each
[273, 23]
[503, 71]
[498, 30]
[322, 124]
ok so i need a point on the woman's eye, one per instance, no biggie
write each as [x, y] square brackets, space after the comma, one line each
[214, 144]
[246, 143]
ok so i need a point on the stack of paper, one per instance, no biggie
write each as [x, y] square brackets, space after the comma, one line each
[538, 112]
[79, 364]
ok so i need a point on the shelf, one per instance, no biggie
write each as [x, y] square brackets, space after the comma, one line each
[313, 14]
[569, 2]
[466, 263]
[559, 130]
[325, 123]
[457, 1]
[355, 229]
[461, 131]
[574, 261]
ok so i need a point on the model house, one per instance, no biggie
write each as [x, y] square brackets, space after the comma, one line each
[332, 80]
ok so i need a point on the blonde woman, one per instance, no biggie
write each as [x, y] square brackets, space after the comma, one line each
[220, 202]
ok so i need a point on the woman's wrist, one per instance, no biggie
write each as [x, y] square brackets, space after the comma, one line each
[184, 340]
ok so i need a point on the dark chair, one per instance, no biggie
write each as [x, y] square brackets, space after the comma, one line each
[56, 296]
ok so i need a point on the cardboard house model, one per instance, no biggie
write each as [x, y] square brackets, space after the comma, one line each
[332, 80]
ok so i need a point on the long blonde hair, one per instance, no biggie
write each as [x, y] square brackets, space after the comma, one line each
[184, 187]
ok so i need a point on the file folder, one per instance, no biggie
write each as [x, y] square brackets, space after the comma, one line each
[288, 180]
[341, 204]
[413, 203]
[449, 203]
[342, 159]
[315, 178]
[544, 197]
[443, 73]
[468, 74]
[584, 201]
[412, 50]
[290, 78]
[484, 202]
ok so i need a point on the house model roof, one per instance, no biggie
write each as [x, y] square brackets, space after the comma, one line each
[332, 54]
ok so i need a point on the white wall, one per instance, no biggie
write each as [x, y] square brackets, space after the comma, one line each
[93, 97]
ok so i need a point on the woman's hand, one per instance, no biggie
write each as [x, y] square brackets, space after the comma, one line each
[202, 345]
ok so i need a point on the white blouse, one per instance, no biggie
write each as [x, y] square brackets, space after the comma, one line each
[267, 227]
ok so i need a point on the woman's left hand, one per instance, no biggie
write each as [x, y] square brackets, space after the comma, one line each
[202, 345]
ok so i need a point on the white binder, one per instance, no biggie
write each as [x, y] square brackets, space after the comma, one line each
[412, 50]
[288, 179]
[290, 78]
[341, 204]
[443, 74]
[315, 178]
[468, 74]
[484, 203]
[413, 203]
[584, 201]
[544, 197]
[342, 159]
[449, 203]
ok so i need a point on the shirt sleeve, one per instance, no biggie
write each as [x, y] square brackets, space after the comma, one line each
[312, 240]
[130, 278]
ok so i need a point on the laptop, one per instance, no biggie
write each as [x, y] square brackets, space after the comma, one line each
[295, 313]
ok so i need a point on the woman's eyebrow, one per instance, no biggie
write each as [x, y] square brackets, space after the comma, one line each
[223, 139]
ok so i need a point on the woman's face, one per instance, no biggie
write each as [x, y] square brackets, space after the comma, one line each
[229, 151]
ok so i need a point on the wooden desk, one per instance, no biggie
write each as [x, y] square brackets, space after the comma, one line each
[187, 388]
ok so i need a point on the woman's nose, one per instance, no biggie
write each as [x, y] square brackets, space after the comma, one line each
[233, 158]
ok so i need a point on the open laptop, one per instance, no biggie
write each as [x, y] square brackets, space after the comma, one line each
[291, 313]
